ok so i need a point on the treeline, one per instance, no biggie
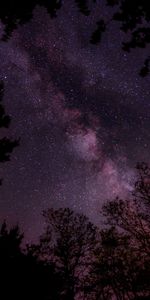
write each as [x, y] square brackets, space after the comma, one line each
[76, 260]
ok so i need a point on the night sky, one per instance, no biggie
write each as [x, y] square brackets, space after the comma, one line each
[81, 111]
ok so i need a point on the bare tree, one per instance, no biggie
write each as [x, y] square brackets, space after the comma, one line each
[128, 260]
[69, 241]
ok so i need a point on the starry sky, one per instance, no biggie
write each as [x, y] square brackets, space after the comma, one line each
[81, 111]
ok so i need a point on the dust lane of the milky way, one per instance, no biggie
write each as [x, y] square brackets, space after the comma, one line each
[82, 113]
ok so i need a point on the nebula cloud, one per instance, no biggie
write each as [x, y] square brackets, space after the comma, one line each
[80, 134]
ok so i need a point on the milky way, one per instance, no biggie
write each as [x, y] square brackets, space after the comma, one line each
[82, 113]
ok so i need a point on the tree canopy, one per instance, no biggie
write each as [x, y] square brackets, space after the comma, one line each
[133, 18]
[6, 144]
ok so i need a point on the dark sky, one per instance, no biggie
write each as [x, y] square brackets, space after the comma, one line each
[81, 111]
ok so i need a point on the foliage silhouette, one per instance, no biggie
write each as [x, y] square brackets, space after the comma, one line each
[23, 275]
[76, 259]
[133, 16]
[69, 241]
[13, 13]
[6, 144]
[131, 220]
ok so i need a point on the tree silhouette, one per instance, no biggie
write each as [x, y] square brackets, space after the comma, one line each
[128, 263]
[68, 242]
[76, 259]
[134, 19]
[10, 255]
[121, 269]
[13, 13]
[6, 145]
[23, 275]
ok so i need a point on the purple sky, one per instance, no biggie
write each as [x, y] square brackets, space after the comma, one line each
[82, 113]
